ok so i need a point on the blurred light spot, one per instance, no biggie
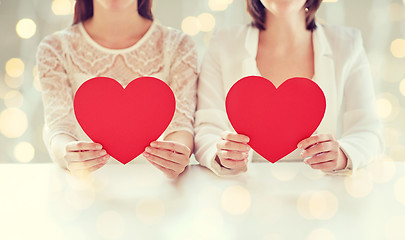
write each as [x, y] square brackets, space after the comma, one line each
[13, 99]
[110, 225]
[384, 108]
[303, 204]
[26, 28]
[402, 87]
[398, 48]
[37, 84]
[236, 200]
[359, 185]
[381, 170]
[15, 67]
[397, 152]
[24, 152]
[321, 234]
[191, 26]
[218, 5]
[207, 22]
[13, 82]
[388, 106]
[399, 190]
[396, 11]
[150, 211]
[62, 7]
[323, 205]
[394, 228]
[13, 122]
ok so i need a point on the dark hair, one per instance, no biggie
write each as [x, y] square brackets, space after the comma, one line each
[84, 10]
[258, 13]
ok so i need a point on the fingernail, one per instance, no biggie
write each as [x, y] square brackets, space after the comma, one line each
[153, 144]
[145, 154]
[99, 146]
[247, 139]
[299, 145]
[147, 149]
[107, 157]
[103, 152]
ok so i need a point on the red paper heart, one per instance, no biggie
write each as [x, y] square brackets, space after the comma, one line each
[124, 121]
[275, 120]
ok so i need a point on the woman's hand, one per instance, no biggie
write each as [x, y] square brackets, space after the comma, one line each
[83, 156]
[168, 156]
[323, 152]
[233, 151]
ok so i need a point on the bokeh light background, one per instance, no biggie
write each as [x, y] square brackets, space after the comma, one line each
[24, 23]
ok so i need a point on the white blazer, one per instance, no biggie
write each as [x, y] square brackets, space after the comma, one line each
[341, 70]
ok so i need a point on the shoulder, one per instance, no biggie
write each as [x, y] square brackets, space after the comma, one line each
[175, 38]
[342, 38]
[55, 42]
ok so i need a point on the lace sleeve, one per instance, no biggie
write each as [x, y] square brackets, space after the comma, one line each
[183, 81]
[56, 91]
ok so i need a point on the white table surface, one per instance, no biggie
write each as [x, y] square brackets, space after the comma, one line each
[272, 201]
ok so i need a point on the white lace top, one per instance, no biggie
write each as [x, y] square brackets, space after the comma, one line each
[69, 57]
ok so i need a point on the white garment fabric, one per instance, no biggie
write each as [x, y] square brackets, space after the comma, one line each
[68, 58]
[341, 70]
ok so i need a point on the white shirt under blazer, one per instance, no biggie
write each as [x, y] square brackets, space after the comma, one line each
[341, 70]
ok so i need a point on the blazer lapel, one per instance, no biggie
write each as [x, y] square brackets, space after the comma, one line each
[249, 66]
[325, 78]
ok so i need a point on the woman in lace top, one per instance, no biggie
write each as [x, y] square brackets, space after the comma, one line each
[120, 40]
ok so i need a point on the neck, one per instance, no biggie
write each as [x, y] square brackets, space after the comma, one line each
[285, 30]
[116, 28]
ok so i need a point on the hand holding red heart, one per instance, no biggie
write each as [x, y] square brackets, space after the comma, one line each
[233, 151]
[83, 156]
[323, 152]
[168, 156]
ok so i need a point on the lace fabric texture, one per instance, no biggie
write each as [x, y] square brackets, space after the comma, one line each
[69, 57]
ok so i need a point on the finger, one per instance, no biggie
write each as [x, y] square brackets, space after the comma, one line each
[325, 166]
[164, 163]
[230, 136]
[82, 145]
[167, 155]
[172, 146]
[168, 172]
[84, 156]
[232, 155]
[319, 148]
[232, 146]
[88, 164]
[241, 165]
[304, 144]
[323, 157]
[98, 166]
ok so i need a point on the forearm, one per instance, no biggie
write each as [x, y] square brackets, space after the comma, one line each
[58, 148]
[182, 137]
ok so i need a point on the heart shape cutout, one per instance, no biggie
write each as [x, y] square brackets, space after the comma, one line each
[124, 121]
[275, 120]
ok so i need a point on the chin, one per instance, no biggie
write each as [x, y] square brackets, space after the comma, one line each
[115, 5]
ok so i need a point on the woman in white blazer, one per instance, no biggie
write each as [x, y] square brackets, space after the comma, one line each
[284, 41]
